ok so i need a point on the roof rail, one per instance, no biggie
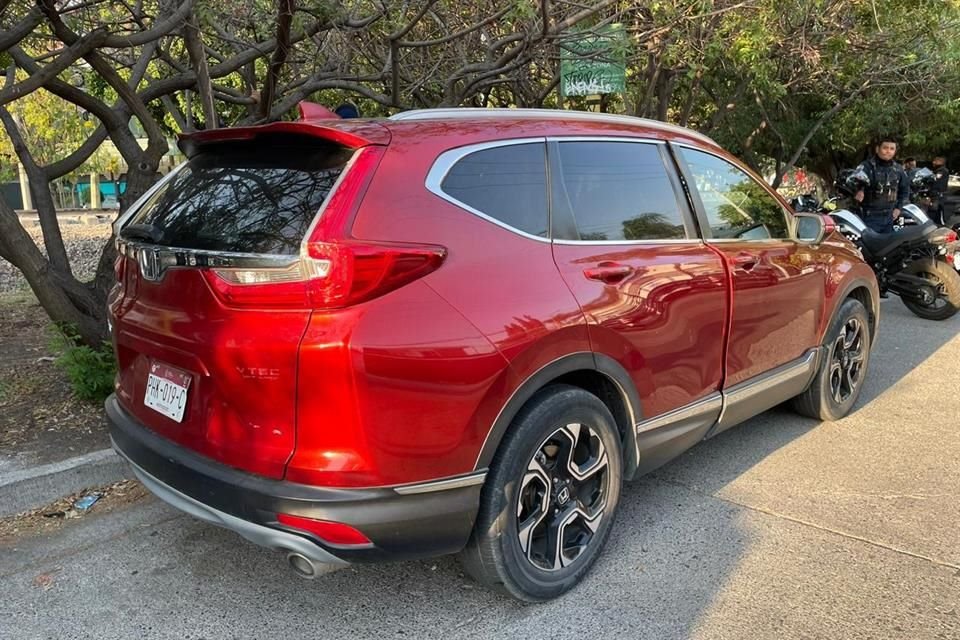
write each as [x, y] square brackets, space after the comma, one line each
[476, 113]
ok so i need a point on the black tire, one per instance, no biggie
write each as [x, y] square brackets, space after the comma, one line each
[495, 556]
[828, 398]
[946, 279]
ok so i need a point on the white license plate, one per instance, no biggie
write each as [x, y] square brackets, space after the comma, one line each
[167, 391]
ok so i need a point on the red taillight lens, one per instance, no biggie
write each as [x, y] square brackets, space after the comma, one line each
[336, 271]
[361, 271]
[951, 237]
[332, 532]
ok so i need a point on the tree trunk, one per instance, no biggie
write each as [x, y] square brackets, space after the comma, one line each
[691, 98]
[667, 82]
[198, 60]
[67, 302]
[285, 11]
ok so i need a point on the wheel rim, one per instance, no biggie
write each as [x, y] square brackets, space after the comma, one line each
[939, 293]
[846, 363]
[563, 497]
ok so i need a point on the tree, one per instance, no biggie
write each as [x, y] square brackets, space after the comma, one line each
[801, 81]
[178, 65]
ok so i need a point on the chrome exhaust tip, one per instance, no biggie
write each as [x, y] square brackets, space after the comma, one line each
[302, 565]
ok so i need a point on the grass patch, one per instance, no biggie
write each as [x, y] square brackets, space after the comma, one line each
[91, 371]
[19, 298]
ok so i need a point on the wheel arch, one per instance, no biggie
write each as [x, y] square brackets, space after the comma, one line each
[595, 373]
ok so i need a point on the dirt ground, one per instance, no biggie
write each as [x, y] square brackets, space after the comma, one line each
[40, 419]
[54, 516]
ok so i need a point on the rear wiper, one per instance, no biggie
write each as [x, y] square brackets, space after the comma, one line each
[145, 232]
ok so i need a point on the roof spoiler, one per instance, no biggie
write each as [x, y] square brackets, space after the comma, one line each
[315, 120]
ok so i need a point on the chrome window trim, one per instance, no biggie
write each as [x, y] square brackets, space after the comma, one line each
[165, 258]
[446, 160]
[601, 138]
[475, 113]
[788, 215]
[754, 240]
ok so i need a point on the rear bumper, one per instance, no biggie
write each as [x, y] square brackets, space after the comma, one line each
[404, 522]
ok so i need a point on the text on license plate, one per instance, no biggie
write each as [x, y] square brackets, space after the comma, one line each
[167, 391]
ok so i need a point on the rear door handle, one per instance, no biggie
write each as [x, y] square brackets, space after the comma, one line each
[745, 261]
[609, 272]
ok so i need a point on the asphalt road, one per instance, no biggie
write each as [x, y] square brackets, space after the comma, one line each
[780, 528]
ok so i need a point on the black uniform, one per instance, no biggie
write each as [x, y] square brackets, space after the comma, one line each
[940, 186]
[889, 189]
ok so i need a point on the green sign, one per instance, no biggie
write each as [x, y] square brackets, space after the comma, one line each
[594, 63]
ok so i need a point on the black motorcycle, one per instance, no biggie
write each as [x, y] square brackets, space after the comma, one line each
[916, 262]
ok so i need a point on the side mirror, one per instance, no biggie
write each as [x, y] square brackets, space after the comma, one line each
[814, 228]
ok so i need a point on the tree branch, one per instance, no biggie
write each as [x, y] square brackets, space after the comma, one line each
[157, 142]
[74, 52]
[285, 10]
[40, 190]
[115, 124]
[164, 28]
[20, 30]
[194, 43]
[78, 157]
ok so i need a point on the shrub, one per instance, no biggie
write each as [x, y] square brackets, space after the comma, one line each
[91, 371]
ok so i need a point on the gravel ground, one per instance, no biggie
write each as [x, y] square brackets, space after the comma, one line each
[83, 243]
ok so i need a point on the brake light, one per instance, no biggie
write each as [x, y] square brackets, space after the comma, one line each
[335, 271]
[951, 236]
[328, 531]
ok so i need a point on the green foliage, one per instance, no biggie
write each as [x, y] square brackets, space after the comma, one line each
[91, 371]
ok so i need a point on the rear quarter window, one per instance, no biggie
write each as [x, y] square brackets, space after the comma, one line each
[506, 183]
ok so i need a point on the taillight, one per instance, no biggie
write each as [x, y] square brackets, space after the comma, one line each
[335, 271]
[951, 236]
[355, 271]
[328, 531]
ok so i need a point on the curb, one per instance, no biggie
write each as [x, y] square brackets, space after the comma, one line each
[31, 488]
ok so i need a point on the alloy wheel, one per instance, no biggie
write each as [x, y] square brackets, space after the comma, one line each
[562, 497]
[847, 358]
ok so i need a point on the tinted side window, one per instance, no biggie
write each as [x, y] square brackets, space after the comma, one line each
[507, 183]
[618, 191]
[737, 206]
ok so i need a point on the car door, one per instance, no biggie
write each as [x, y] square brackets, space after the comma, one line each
[777, 282]
[654, 295]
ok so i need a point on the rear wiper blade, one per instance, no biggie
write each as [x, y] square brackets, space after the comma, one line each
[146, 232]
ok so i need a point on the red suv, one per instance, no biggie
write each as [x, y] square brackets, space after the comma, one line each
[462, 330]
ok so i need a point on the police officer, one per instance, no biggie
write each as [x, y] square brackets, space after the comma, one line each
[940, 185]
[888, 191]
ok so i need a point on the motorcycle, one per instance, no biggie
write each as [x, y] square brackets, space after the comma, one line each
[917, 262]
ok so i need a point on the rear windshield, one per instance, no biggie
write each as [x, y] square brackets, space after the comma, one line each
[249, 197]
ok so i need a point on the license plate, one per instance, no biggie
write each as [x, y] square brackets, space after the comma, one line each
[167, 391]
